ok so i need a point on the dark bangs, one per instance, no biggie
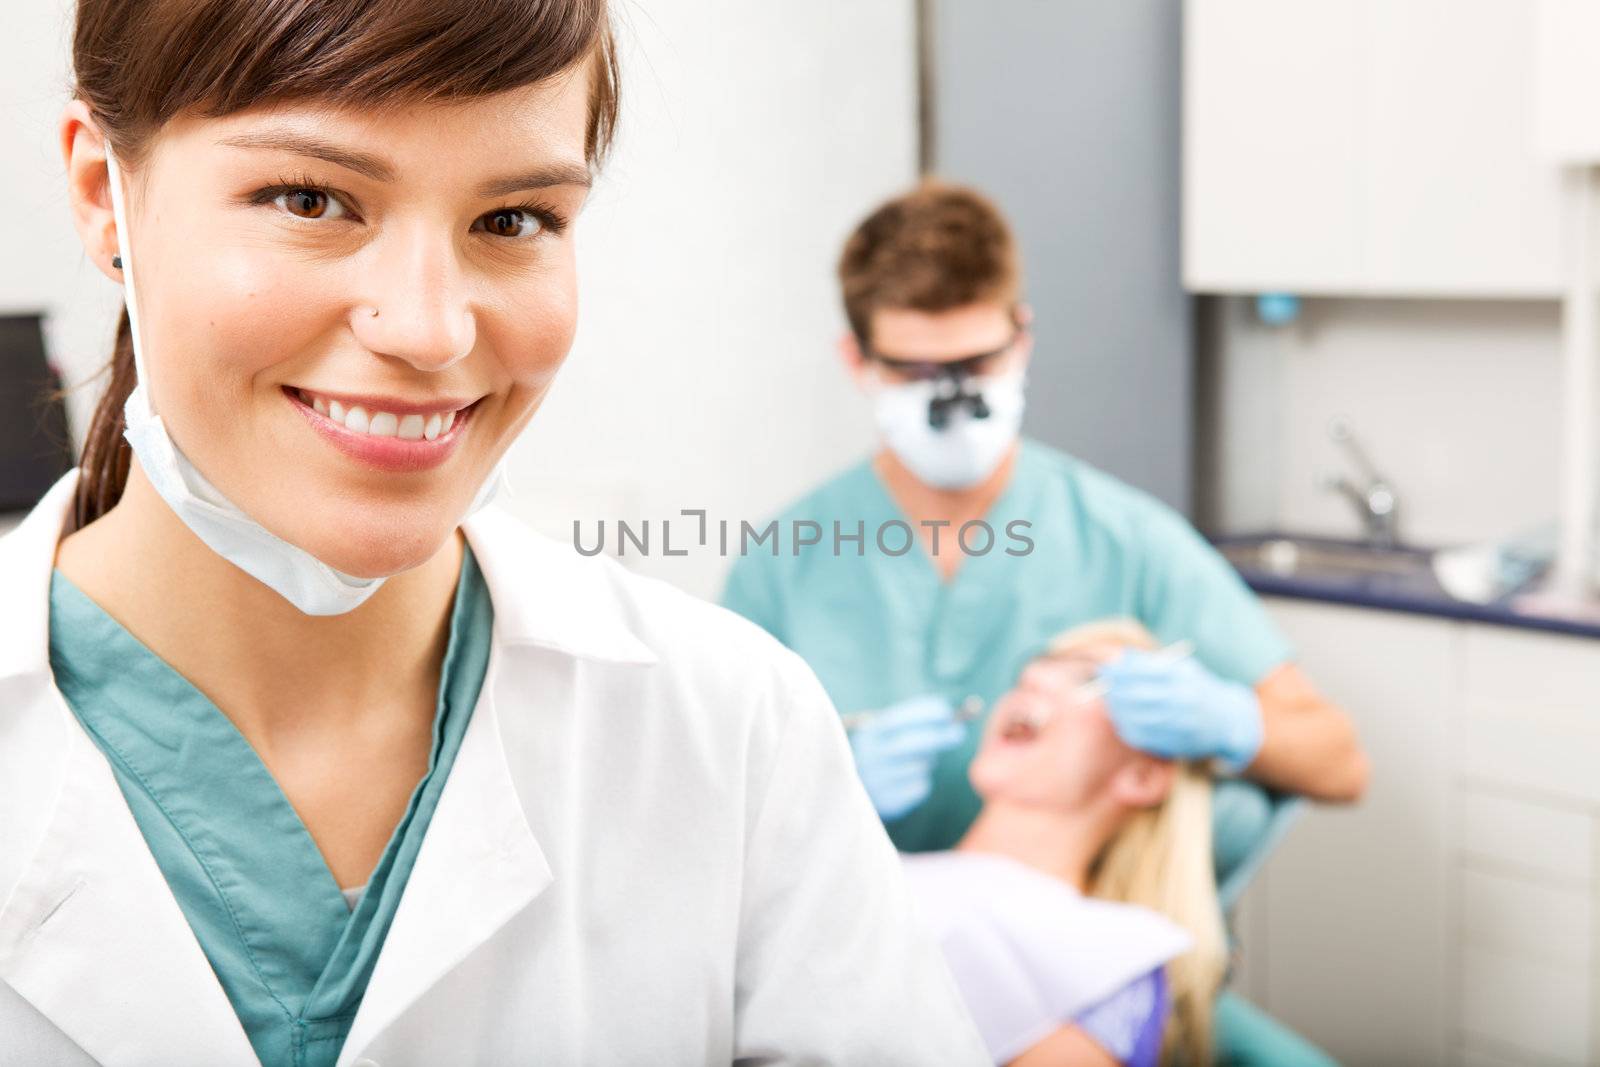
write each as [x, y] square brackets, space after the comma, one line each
[139, 63]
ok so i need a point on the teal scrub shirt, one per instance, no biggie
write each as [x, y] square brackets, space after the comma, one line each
[291, 954]
[880, 627]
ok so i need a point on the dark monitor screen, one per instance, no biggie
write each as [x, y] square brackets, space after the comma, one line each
[35, 446]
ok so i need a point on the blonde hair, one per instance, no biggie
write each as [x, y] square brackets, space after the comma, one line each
[1161, 859]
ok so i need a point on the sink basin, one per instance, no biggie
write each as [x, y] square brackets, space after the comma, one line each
[1393, 579]
[1327, 564]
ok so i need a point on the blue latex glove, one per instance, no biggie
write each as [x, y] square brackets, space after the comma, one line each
[1180, 710]
[895, 750]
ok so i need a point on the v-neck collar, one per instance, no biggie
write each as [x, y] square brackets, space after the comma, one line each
[289, 950]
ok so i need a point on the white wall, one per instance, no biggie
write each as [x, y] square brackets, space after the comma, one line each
[753, 136]
[1456, 401]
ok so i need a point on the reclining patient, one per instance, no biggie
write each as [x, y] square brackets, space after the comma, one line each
[1079, 913]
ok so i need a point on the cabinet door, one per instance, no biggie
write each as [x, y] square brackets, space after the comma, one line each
[1271, 121]
[1353, 907]
[1530, 714]
[1457, 199]
[1382, 147]
[1526, 844]
[1525, 925]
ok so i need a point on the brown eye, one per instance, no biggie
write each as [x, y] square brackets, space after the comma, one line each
[510, 222]
[306, 203]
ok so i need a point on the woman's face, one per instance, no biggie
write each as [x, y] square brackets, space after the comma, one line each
[262, 244]
[1046, 744]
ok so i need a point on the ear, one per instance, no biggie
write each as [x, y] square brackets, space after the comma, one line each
[83, 150]
[855, 364]
[1143, 782]
[1024, 317]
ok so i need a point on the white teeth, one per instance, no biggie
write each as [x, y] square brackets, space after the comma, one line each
[413, 427]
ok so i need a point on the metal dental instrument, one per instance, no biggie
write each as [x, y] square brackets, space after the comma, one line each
[1173, 653]
[969, 709]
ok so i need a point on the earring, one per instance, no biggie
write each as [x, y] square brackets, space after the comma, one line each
[116, 262]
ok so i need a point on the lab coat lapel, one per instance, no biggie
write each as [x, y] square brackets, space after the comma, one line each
[92, 937]
[479, 866]
[90, 933]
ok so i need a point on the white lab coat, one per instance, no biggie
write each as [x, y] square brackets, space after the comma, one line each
[652, 849]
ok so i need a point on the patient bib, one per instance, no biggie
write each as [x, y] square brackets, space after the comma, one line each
[1030, 952]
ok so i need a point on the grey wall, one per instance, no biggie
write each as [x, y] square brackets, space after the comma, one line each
[1067, 111]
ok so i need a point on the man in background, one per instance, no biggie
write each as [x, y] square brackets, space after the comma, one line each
[939, 344]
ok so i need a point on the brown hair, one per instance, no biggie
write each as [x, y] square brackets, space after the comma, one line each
[140, 63]
[934, 248]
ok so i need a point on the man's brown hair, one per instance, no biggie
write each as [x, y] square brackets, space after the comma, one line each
[934, 248]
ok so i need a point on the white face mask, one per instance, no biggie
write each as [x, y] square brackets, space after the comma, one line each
[298, 576]
[966, 450]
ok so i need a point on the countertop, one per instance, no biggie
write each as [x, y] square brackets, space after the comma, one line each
[1410, 589]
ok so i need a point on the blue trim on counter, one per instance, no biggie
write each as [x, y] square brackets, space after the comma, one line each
[1386, 593]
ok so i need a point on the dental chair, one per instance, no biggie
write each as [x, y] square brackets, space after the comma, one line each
[1247, 822]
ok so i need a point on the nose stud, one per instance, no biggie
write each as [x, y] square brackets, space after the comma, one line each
[374, 312]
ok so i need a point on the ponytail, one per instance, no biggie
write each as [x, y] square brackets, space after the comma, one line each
[103, 465]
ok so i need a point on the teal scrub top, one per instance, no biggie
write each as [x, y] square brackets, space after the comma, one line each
[879, 627]
[291, 954]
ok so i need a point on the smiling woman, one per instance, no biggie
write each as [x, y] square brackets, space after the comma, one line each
[306, 751]
[359, 59]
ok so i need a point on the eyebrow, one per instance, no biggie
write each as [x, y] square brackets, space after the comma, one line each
[379, 169]
[541, 177]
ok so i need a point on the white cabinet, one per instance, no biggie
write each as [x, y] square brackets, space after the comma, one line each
[1347, 932]
[1526, 793]
[1271, 136]
[1450, 917]
[1381, 147]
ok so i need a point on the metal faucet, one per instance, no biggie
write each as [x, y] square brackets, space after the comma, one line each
[1375, 501]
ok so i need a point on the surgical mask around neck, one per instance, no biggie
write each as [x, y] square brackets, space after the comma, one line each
[967, 447]
[292, 572]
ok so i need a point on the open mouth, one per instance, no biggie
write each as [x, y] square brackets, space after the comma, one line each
[1018, 731]
[1018, 727]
